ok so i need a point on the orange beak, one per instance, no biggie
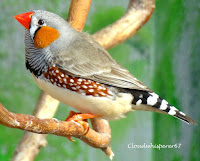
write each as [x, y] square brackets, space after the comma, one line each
[25, 19]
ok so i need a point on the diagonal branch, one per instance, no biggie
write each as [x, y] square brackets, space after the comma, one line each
[138, 13]
[53, 126]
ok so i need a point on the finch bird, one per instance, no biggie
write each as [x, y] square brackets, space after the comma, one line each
[76, 70]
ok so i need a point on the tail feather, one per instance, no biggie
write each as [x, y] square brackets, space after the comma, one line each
[180, 115]
[151, 99]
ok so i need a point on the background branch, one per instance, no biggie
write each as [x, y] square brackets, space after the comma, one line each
[137, 14]
[31, 143]
[78, 12]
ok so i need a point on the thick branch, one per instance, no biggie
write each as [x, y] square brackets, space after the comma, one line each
[78, 13]
[53, 126]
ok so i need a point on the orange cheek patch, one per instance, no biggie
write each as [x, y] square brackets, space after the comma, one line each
[45, 36]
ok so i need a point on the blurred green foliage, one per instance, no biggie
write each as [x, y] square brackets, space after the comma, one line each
[164, 55]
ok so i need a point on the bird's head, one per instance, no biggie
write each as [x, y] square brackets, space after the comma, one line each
[46, 35]
[44, 27]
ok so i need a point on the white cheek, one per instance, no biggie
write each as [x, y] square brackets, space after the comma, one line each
[32, 30]
[34, 26]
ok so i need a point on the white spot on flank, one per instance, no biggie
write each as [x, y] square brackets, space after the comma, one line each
[91, 90]
[71, 80]
[57, 71]
[90, 86]
[66, 76]
[54, 65]
[54, 74]
[70, 84]
[56, 79]
[163, 105]
[74, 88]
[78, 87]
[64, 85]
[59, 85]
[95, 85]
[138, 102]
[99, 87]
[102, 93]
[59, 77]
[80, 80]
[60, 81]
[62, 75]
[52, 80]
[96, 95]
[86, 82]
[65, 80]
[84, 86]
[104, 88]
[151, 100]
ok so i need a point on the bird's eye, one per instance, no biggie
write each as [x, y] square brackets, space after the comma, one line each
[41, 22]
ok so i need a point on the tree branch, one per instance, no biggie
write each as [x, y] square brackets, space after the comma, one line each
[77, 19]
[138, 13]
[52, 126]
[31, 143]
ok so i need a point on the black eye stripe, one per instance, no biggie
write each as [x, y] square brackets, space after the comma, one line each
[36, 32]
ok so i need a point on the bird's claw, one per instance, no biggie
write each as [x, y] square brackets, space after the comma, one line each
[81, 119]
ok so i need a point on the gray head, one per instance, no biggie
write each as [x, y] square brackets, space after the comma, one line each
[46, 36]
[42, 18]
[39, 57]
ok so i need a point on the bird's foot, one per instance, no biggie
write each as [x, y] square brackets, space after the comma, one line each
[81, 119]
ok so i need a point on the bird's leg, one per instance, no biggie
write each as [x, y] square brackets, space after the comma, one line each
[81, 119]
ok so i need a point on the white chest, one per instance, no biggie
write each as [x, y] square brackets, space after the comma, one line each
[110, 109]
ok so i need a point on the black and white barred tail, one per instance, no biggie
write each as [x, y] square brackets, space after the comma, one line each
[150, 101]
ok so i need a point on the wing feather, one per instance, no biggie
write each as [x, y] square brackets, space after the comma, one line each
[87, 59]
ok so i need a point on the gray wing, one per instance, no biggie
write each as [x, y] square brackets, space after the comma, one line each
[87, 59]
